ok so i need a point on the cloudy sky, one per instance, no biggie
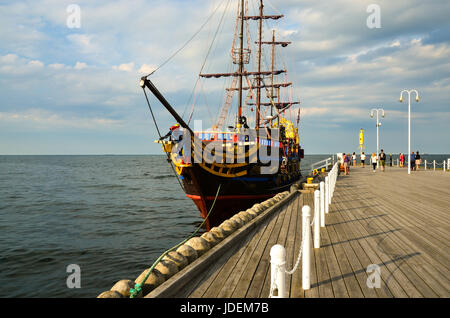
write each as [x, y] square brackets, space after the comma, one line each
[66, 89]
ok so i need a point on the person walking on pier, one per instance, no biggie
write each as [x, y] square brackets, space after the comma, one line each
[354, 159]
[390, 160]
[363, 159]
[373, 161]
[382, 157]
[402, 160]
[418, 161]
[413, 161]
[346, 163]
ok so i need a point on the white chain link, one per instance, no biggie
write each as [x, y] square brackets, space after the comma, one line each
[273, 284]
[299, 254]
[314, 219]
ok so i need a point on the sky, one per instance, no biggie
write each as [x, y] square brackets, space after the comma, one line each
[73, 88]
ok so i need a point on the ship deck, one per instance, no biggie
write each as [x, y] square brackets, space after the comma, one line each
[400, 223]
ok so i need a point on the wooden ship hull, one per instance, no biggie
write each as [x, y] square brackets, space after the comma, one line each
[221, 190]
[237, 194]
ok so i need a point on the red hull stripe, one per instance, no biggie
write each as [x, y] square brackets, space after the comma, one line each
[225, 197]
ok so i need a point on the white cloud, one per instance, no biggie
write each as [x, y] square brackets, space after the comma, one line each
[86, 44]
[119, 100]
[124, 67]
[45, 120]
[36, 63]
[286, 33]
[12, 64]
[314, 111]
[80, 65]
[8, 59]
[146, 69]
[57, 66]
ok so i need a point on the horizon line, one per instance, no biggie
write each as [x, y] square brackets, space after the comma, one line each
[159, 154]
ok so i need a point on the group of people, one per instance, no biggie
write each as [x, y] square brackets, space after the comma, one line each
[347, 159]
[379, 159]
[415, 160]
[382, 160]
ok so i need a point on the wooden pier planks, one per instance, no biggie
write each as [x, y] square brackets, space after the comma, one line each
[412, 261]
[400, 223]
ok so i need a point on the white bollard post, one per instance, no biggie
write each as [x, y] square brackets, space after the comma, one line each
[331, 188]
[306, 256]
[333, 183]
[327, 194]
[330, 193]
[322, 204]
[277, 271]
[434, 165]
[317, 219]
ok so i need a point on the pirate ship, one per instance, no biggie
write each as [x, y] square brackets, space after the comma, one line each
[225, 170]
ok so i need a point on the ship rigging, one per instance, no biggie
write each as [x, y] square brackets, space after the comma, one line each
[259, 154]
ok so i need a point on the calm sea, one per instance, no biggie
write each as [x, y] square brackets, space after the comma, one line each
[111, 215]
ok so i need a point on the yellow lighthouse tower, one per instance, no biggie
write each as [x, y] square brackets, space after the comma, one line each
[361, 141]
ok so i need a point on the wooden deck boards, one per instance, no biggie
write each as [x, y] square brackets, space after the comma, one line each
[400, 223]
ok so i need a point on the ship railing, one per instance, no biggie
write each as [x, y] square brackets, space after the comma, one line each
[278, 271]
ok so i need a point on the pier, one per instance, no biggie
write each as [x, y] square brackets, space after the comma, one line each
[397, 222]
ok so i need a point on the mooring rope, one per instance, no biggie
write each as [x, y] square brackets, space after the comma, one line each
[138, 286]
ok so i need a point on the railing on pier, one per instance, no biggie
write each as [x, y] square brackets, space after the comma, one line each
[322, 200]
[445, 165]
[322, 164]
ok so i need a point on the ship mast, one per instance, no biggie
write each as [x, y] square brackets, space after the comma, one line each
[258, 90]
[241, 57]
[273, 67]
[241, 63]
[274, 93]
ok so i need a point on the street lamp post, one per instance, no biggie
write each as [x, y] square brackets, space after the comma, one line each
[409, 121]
[375, 110]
